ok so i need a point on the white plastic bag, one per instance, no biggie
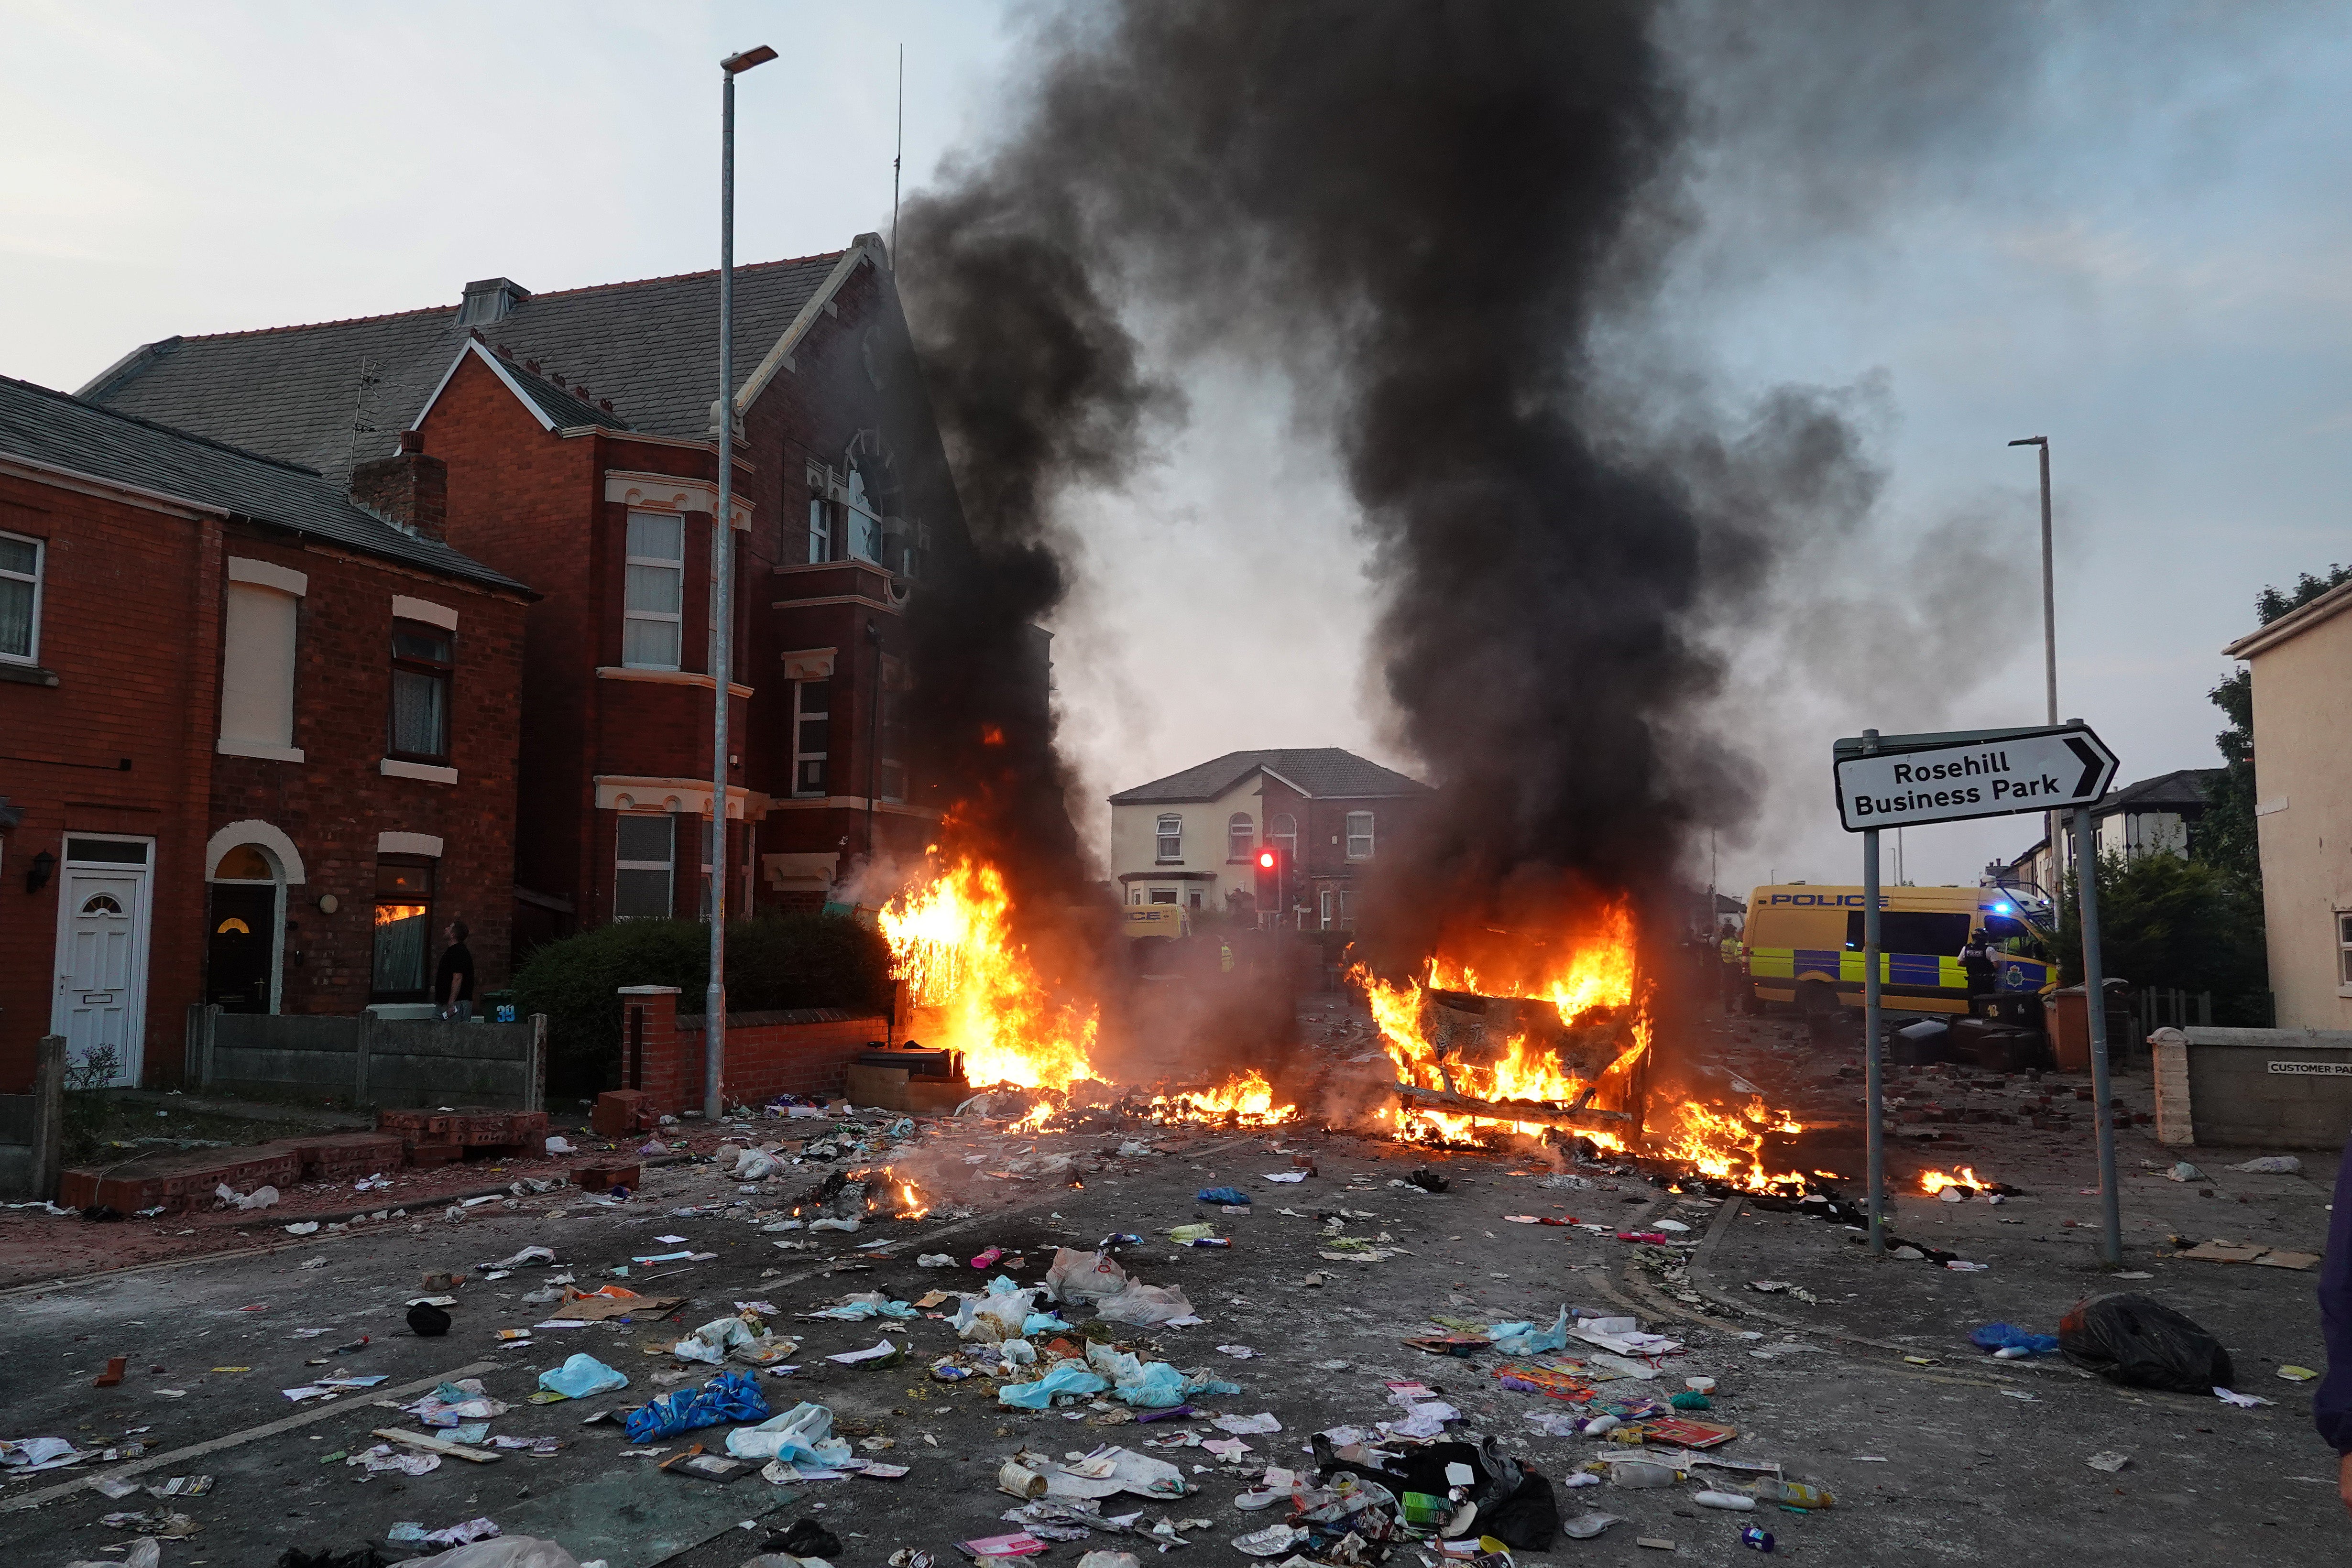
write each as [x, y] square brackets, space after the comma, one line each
[1146, 1306]
[1083, 1276]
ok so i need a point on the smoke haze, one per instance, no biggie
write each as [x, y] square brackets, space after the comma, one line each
[1445, 227]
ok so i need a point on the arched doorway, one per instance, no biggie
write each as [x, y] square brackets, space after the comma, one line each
[241, 940]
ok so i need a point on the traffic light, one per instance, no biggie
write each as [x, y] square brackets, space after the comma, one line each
[1268, 861]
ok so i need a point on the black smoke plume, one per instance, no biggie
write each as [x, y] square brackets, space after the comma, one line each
[1431, 214]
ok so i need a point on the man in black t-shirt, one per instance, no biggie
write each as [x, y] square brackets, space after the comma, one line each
[453, 982]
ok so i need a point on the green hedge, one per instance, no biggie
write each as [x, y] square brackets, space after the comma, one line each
[800, 960]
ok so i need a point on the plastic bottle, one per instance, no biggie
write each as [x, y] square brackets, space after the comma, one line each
[1738, 1500]
[1793, 1494]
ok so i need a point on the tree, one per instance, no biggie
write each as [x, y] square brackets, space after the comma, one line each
[2173, 924]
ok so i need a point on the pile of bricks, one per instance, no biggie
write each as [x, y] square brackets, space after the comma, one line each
[178, 1182]
[445, 1137]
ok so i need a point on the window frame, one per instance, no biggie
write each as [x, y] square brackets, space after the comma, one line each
[1240, 827]
[1282, 831]
[444, 670]
[1352, 836]
[426, 960]
[2344, 948]
[38, 578]
[821, 530]
[675, 620]
[1162, 838]
[801, 758]
[667, 868]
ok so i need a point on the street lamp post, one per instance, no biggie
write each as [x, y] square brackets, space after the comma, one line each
[2049, 634]
[722, 590]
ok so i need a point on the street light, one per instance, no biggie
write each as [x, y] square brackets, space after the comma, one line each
[722, 588]
[2049, 632]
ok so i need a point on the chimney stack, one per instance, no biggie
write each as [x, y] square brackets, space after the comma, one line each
[408, 489]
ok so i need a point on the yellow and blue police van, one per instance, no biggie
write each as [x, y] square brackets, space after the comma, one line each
[1804, 945]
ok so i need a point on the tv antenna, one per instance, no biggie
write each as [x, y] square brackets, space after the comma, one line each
[364, 408]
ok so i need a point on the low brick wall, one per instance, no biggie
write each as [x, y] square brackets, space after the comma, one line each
[802, 1051]
[2258, 1088]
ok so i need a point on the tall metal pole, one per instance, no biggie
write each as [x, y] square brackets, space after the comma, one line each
[1874, 1079]
[722, 604]
[2051, 821]
[722, 591]
[2095, 1003]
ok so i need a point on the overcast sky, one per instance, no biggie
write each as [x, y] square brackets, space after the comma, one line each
[2147, 258]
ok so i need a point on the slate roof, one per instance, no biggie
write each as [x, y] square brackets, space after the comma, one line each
[650, 346]
[1322, 772]
[67, 431]
[2184, 789]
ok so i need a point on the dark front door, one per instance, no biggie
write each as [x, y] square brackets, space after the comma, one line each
[237, 951]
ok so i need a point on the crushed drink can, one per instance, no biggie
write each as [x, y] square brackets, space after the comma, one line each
[1755, 1538]
[1210, 1241]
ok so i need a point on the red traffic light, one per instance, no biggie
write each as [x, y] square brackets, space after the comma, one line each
[1265, 859]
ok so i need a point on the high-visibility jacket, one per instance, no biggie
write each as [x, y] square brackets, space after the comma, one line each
[1730, 949]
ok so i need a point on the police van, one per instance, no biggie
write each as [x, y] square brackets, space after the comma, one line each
[1804, 946]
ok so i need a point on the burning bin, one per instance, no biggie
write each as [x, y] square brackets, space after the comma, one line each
[907, 1078]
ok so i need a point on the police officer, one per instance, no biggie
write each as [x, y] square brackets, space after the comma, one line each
[1977, 962]
[1734, 956]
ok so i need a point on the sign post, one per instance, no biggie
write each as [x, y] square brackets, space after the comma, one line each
[1874, 1070]
[1899, 781]
[2094, 1007]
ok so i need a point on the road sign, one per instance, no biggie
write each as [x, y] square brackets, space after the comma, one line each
[1900, 780]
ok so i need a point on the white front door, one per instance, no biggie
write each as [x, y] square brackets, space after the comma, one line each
[101, 965]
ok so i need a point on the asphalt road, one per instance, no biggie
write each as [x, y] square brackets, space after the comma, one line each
[1962, 1460]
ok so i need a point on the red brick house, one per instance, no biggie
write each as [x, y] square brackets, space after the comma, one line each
[1189, 838]
[578, 429]
[258, 739]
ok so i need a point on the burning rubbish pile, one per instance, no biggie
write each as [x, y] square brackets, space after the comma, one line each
[1559, 1048]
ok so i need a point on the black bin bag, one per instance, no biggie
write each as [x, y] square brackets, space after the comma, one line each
[2132, 1339]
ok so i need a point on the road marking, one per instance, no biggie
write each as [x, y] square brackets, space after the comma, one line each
[214, 1445]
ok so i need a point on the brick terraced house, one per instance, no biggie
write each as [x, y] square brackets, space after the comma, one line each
[579, 431]
[258, 734]
[1188, 838]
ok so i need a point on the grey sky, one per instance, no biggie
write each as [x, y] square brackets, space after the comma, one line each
[2144, 257]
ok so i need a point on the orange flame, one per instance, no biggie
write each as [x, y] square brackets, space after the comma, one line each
[1599, 971]
[951, 941]
[1937, 1181]
[1248, 1099]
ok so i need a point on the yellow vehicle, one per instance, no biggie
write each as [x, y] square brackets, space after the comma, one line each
[1156, 920]
[1804, 945]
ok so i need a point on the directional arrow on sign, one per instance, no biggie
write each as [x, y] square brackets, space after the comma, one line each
[1900, 780]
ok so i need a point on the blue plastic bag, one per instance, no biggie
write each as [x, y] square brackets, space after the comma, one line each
[1522, 1339]
[2009, 1336]
[1068, 1378]
[1226, 1194]
[731, 1396]
[581, 1376]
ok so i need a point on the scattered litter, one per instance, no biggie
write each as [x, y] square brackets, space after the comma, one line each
[2272, 1165]
[2243, 1401]
[409, 1533]
[2109, 1462]
[581, 1376]
[2297, 1374]
[1261, 1422]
